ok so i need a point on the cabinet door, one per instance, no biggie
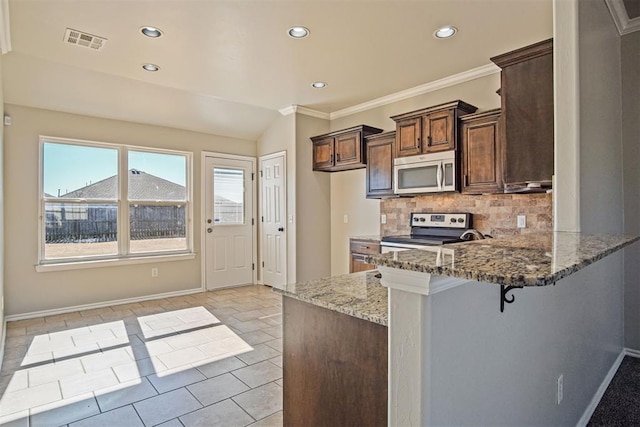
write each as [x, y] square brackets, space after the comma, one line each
[408, 137]
[323, 154]
[481, 164]
[439, 132]
[348, 148]
[380, 167]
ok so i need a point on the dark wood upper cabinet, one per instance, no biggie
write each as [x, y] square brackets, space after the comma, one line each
[380, 155]
[527, 114]
[430, 129]
[480, 134]
[341, 150]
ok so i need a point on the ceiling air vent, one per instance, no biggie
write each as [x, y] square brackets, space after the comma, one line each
[84, 39]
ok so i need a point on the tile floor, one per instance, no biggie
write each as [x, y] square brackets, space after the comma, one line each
[206, 359]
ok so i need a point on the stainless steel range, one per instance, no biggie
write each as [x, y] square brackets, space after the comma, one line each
[428, 230]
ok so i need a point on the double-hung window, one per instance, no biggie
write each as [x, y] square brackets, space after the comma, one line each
[103, 201]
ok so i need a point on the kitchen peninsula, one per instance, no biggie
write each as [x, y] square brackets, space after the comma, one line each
[453, 356]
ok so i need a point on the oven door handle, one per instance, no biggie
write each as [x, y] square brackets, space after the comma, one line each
[439, 176]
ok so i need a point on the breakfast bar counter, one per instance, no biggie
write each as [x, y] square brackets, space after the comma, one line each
[524, 260]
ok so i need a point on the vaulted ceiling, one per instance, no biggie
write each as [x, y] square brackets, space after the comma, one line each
[227, 67]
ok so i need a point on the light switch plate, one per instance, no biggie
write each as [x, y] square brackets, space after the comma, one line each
[383, 219]
[345, 218]
[522, 221]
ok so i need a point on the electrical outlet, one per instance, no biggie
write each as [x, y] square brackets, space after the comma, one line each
[383, 219]
[345, 218]
[154, 272]
[560, 388]
[522, 221]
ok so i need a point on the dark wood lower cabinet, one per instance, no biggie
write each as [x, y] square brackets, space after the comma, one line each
[334, 368]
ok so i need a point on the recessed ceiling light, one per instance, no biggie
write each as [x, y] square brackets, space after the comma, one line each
[151, 67]
[445, 32]
[319, 85]
[152, 32]
[298, 32]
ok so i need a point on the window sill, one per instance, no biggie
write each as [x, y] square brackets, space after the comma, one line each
[142, 259]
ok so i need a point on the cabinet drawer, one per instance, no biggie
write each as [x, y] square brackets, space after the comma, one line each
[364, 247]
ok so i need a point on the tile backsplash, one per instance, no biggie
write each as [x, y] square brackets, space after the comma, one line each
[493, 214]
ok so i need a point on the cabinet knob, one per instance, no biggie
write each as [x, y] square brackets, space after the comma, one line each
[337, 157]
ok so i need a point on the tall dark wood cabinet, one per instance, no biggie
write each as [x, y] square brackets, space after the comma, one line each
[380, 155]
[341, 150]
[480, 135]
[429, 130]
[527, 113]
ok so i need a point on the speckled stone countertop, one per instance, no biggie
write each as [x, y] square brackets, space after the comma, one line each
[357, 294]
[523, 260]
[375, 238]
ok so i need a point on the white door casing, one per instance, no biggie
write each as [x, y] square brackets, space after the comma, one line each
[273, 215]
[229, 241]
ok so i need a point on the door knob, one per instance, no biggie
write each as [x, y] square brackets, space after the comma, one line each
[281, 229]
[209, 221]
[209, 230]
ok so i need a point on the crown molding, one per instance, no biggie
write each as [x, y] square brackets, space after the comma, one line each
[5, 28]
[621, 19]
[456, 79]
[465, 76]
[304, 110]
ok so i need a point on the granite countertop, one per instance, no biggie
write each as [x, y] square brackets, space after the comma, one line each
[357, 294]
[524, 260]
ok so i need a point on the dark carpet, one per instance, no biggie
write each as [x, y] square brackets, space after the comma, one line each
[620, 405]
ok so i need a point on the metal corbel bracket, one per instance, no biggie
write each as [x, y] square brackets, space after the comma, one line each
[504, 290]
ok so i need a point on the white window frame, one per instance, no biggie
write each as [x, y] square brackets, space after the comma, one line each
[123, 257]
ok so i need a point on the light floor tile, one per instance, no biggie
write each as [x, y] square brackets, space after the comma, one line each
[104, 360]
[262, 401]
[275, 420]
[89, 382]
[275, 344]
[19, 380]
[260, 352]
[277, 361]
[256, 337]
[182, 358]
[173, 379]
[250, 326]
[140, 368]
[259, 374]
[122, 417]
[166, 406]
[54, 372]
[186, 339]
[64, 411]
[275, 330]
[124, 394]
[225, 413]
[221, 366]
[17, 419]
[171, 423]
[29, 397]
[228, 346]
[216, 389]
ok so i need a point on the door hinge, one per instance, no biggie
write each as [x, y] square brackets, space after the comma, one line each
[253, 175]
[253, 221]
[263, 263]
[262, 218]
[261, 174]
[253, 266]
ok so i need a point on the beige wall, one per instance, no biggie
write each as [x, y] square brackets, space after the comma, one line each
[75, 287]
[348, 188]
[631, 177]
[313, 205]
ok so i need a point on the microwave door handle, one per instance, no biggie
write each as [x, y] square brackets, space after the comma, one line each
[439, 176]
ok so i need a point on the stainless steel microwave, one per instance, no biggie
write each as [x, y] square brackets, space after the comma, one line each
[426, 173]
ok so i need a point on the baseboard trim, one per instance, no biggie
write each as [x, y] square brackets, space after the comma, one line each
[631, 352]
[100, 304]
[586, 416]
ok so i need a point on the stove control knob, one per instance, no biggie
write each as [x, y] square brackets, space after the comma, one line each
[415, 219]
[422, 220]
[453, 220]
[460, 219]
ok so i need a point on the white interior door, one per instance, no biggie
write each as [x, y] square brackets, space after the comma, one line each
[273, 212]
[228, 222]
